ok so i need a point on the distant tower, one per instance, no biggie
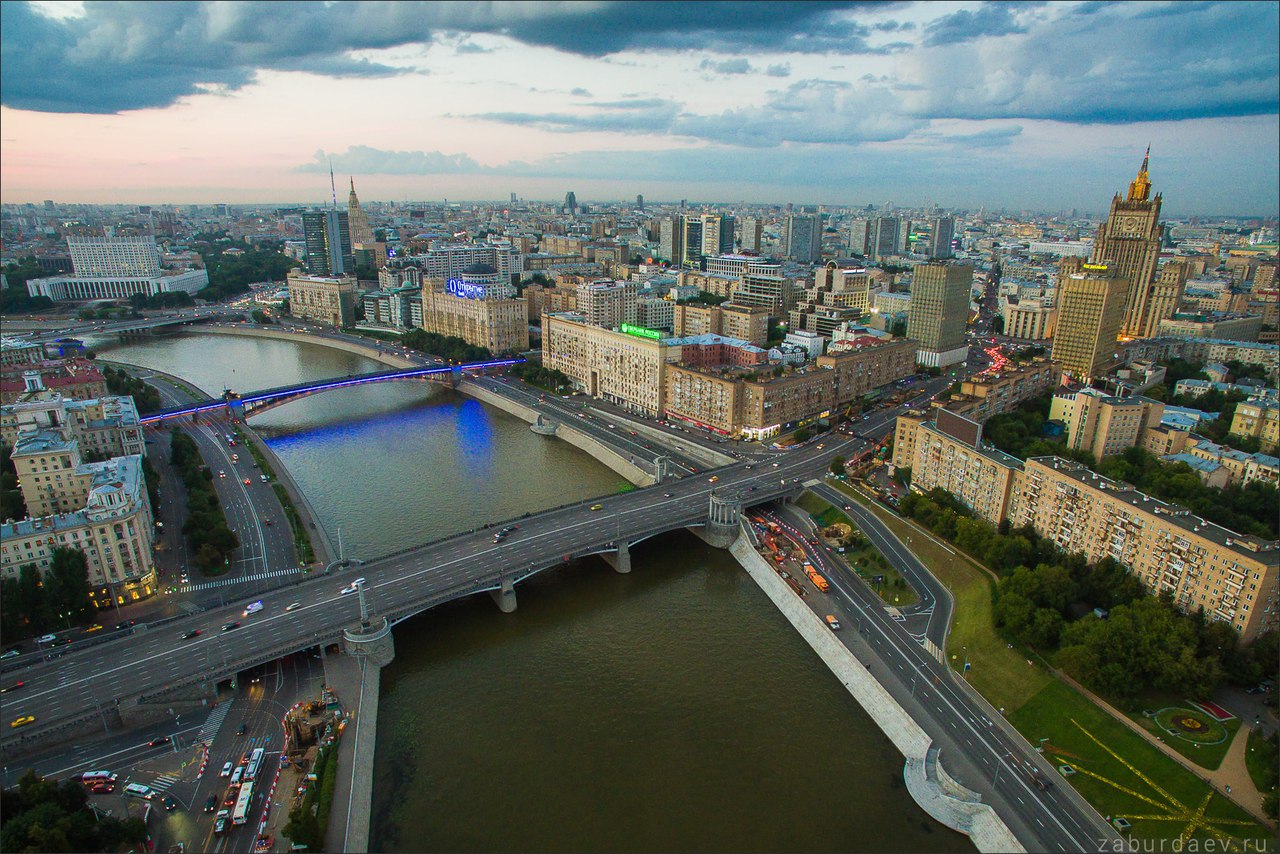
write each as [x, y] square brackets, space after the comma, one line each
[942, 232]
[639, 202]
[513, 198]
[358, 220]
[804, 238]
[571, 203]
[327, 235]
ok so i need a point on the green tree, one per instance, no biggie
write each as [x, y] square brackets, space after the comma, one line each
[837, 465]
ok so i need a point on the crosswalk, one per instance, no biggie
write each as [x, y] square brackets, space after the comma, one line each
[240, 579]
[211, 726]
[164, 782]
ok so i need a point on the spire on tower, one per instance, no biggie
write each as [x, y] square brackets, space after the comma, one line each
[1140, 187]
[333, 188]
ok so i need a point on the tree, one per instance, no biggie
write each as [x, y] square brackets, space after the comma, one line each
[837, 465]
[898, 329]
[802, 435]
[997, 325]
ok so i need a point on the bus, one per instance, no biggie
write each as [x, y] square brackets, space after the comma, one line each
[240, 814]
[92, 778]
[255, 762]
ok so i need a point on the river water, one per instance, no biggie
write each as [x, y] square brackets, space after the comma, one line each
[671, 709]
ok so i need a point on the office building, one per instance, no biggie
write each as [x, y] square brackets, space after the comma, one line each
[1220, 325]
[702, 235]
[360, 232]
[939, 312]
[736, 266]
[655, 313]
[570, 203]
[838, 296]
[100, 509]
[1091, 305]
[804, 238]
[774, 294]
[671, 240]
[327, 235]
[747, 323]
[328, 300]
[860, 236]
[1129, 242]
[1029, 319]
[942, 232]
[116, 268]
[620, 367]
[449, 260]
[478, 306]
[884, 238]
[752, 231]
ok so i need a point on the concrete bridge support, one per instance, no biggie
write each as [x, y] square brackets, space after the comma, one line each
[505, 597]
[723, 514]
[621, 560]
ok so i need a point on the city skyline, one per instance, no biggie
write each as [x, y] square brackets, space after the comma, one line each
[956, 104]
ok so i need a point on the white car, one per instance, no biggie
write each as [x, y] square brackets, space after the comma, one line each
[46, 639]
[347, 591]
[254, 608]
[226, 770]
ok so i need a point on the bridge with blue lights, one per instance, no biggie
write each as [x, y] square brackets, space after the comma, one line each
[242, 405]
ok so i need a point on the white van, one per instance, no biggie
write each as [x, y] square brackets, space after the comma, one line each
[137, 790]
[237, 775]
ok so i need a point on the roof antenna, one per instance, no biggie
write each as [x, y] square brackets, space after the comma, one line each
[333, 188]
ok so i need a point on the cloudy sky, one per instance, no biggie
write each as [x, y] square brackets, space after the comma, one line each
[1025, 105]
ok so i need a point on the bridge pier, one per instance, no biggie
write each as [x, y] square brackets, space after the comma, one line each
[723, 514]
[505, 596]
[621, 560]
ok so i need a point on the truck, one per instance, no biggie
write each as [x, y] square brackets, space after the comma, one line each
[818, 581]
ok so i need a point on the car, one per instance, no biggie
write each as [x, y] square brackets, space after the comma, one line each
[240, 730]
[293, 606]
[775, 465]
[820, 447]
[226, 627]
[46, 639]
[247, 481]
[262, 477]
[235, 458]
[103, 788]
[221, 473]
[748, 466]
[61, 642]
[220, 823]
[10, 653]
[156, 742]
[194, 633]
[347, 591]
[22, 721]
[170, 804]
[253, 608]
[185, 579]
[597, 506]
[14, 687]
[226, 770]
[666, 495]
[211, 803]
[713, 478]
[267, 522]
[96, 627]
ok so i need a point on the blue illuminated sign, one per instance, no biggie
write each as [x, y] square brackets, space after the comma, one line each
[466, 290]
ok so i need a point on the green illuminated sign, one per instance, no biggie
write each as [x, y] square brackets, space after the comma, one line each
[641, 332]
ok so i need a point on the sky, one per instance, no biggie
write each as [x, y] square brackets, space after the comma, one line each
[1020, 105]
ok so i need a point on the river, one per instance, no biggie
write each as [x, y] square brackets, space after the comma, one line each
[669, 709]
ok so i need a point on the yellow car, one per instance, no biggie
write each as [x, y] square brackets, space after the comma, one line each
[713, 478]
[22, 721]
[597, 506]
[96, 627]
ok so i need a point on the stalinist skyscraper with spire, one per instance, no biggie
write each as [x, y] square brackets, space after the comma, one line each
[358, 219]
[1129, 241]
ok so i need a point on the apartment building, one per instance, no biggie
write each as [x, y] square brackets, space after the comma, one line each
[948, 454]
[1232, 577]
[16, 351]
[1099, 424]
[74, 379]
[1260, 419]
[480, 307]
[731, 320]
[322, 299]
[1029, 319]
[608, 303]
[1241, 468]
[837, 296]
[107, 426]
[99, 508]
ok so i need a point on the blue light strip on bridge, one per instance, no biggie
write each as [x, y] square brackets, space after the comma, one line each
[221, 404]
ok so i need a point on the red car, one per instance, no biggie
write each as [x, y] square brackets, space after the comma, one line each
[103, 788]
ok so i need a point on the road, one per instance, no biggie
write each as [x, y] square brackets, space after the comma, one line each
[979, 747]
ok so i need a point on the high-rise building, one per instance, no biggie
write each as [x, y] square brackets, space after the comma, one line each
[860, 237]
[570, 203]
[883, 240]
[327, 235]
[108, 257]
[325, 299]
[1091, 299]
[671, 239]
[1130, 242]
[752, 230]
[357, 219]
[116, 268]
[939, 311]
[480, 307]
[608, 303]
[804, 238]
[705, 234]
[942, 231]
[639, 201]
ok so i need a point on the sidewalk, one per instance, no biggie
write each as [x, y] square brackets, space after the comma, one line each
[356, 682]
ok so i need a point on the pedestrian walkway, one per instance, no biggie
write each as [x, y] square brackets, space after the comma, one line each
[240, 579]
[209, 731]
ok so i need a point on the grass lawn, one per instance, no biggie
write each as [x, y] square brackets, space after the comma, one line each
[867, 561]
[999, 673]
[1262, 758]
[1206, 747]
[1123, 776]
